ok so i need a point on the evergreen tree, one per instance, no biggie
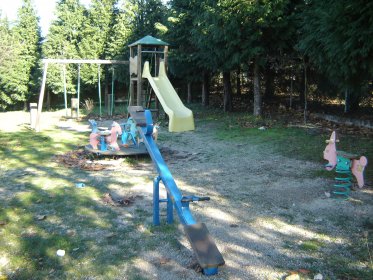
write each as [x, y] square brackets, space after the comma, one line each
[9, 53]
[95, 35]
[19, 52]
[63, 39]
[335, 35]
[149, 18]
[184, 61]
[27, 32]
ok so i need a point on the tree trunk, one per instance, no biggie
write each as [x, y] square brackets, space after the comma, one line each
[205, 90]
[269, 83]
[189, 98]
[257, 93]
[48, 100]
[291, 93]
[227, 91]
[305, 92]
[238, 81]
[352, 100]
[347, 101]
[302, 89]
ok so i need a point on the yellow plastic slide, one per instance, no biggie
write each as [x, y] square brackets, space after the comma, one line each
[181, 118]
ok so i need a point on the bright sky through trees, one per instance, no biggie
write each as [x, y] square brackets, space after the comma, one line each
[44, 8]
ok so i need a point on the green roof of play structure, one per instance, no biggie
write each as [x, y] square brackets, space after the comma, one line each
[150, 41]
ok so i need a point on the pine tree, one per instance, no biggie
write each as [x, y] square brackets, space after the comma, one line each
[335, 35]
[62, 41]
[9, 53]
[150, 18]
[19, 53]
[27, 32]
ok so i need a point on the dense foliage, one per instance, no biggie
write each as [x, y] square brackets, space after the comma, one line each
[19, 54]
[252, 50]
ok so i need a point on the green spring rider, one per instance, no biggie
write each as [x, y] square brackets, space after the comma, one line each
[346, 166]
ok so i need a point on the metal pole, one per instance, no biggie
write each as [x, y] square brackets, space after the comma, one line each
[156, 220]
[64, 87]
[41, 97]
[112, 93]
[78, 91]
[139, 77]
[85, 61]
[170, 210]
[99, 87]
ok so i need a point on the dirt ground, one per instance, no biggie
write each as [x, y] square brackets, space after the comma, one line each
[265, 212]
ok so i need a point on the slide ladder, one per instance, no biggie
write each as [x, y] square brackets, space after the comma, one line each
[206, 251]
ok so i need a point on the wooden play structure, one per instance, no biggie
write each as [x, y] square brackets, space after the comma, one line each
[154, 50]
[345, 165]
[154, 71]
[161, 89]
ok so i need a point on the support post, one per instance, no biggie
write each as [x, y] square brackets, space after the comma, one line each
[78, 90]
[33, 114]
[139, 77]
[132, 83]
[103, 144]
[74, 108]
[64, 87]
[165, 57]
[99, 88]
[110, 104]
[156, 220]
[41, 97]
[170, 210]
[112, 92]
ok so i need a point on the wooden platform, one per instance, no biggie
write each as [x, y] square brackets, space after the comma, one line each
[130, 151]
[208, 255]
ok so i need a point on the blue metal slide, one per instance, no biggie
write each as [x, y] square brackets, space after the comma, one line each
[203, 245]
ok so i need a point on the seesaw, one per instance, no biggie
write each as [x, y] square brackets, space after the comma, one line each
[345, 165]
[204, 247]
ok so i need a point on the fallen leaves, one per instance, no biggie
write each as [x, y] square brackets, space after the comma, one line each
[124, 201]
[79, 159]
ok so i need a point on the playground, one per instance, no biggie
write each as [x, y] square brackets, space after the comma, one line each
[269, 211]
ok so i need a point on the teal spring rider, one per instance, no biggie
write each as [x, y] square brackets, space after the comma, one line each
[346, 166]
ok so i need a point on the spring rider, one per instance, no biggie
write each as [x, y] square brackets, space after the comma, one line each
[345, 165]
[107, 139]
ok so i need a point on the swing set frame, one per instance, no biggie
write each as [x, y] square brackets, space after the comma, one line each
[46, 62]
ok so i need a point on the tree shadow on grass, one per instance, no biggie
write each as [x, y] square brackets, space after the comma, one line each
[43, 212]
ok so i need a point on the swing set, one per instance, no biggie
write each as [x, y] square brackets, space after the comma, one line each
[63, 62]
[153, 49]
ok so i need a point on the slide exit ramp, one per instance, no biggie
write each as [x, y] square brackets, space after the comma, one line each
[181, 118]
[204, 247]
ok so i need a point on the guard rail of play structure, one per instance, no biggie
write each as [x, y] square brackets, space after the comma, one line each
[205, 249]
[345, 165]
